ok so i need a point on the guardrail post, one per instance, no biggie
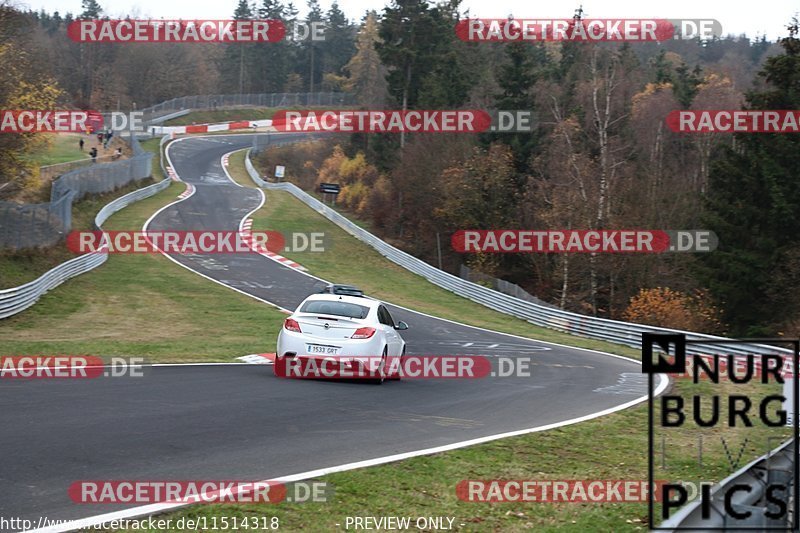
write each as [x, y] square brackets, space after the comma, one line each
[18, 242]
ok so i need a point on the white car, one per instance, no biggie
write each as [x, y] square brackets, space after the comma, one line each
[348, 329]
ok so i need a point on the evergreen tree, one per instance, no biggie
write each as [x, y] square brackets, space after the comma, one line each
[686, 82]
[311, 51]
[408, 47]
[339, 42]
[366, 73]
[452, 75]
[239, 60]
[662, 70]
[91, 9]
[516, 78]
[272, 59]
[754, 208]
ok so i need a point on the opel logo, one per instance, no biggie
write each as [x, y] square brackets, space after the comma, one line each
[327, 326]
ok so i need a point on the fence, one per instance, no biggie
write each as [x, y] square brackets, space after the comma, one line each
[17, 299]
[500, 285]
[213, 101]
[102, 177]
[50, 172]
[33, 225]
[614, 331]
[29, 225]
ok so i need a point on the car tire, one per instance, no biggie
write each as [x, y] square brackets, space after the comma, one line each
[399, 375]
[381, 371]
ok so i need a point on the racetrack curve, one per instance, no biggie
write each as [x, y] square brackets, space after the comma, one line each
[241, 422]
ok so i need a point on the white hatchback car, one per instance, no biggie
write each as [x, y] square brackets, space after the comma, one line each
[340, 326]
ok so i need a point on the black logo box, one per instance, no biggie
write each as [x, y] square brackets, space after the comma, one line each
[674, 344]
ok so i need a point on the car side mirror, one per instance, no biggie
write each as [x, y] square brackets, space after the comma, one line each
[401, 325]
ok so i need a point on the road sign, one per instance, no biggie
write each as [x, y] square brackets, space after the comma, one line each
[330, 188]
[279, 171]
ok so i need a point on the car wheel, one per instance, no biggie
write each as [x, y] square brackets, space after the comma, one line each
[399, 374]
[381, 373]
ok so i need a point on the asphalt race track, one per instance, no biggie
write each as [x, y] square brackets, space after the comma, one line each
[241, 422]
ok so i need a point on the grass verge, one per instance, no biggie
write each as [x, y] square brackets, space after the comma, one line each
[222, 115]
[61, 148]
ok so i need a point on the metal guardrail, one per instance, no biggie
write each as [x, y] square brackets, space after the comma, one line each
[163, 118]
[773, 468]
[614, 331]
[16, 299]
[500, 285]
[164, 140]
[216, 101]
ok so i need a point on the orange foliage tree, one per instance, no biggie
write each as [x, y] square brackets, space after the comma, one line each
[668, 308]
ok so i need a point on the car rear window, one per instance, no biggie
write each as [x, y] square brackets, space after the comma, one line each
[325, 307]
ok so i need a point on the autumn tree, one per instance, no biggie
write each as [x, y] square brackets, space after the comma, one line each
[23, 85]
[667, 308]
[366, 74]
[481, 193]
[714, 92]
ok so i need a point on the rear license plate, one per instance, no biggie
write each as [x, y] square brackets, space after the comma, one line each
[325, 350]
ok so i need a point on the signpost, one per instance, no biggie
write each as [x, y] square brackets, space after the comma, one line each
[330, 188]
[280, 170]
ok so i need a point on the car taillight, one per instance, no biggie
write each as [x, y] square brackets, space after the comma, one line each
[363, 333]
[292, 325]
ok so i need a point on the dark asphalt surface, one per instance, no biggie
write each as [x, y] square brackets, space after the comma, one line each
[240, 422]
